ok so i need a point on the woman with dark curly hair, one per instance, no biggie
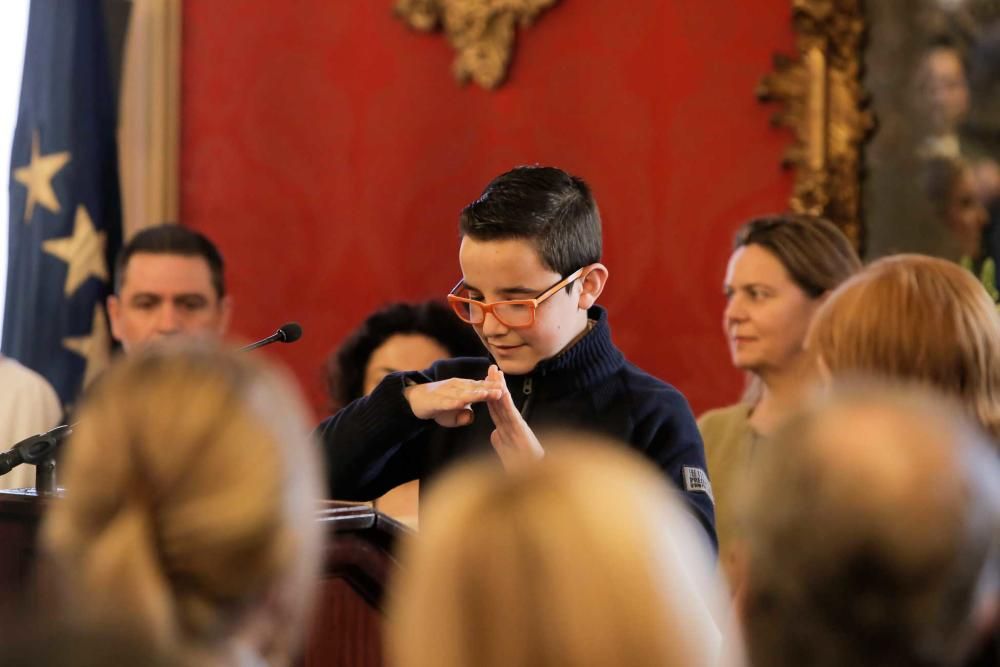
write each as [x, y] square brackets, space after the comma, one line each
[398, 337]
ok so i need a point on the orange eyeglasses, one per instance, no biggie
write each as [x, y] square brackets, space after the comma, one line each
[516, 314]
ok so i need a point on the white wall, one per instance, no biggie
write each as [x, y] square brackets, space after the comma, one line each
[13, 30]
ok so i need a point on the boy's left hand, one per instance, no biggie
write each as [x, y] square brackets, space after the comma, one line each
[513, 439]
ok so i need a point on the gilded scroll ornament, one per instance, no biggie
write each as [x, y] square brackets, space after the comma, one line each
[481, 31]
[824, 104]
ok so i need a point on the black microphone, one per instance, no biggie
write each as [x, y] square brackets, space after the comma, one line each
[35, 449]
[287, 333]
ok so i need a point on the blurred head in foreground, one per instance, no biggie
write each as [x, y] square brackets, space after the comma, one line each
[916, 319]
[871, 526]
[29, 642]
[188, 517]
[584, 559]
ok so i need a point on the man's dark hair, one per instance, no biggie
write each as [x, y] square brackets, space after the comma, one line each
[544, 205]
[173, 240]
[345, 369]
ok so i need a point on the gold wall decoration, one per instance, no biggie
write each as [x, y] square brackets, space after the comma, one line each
[481, 31]
[825, 106]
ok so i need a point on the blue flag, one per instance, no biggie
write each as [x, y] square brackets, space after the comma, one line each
[65, 212]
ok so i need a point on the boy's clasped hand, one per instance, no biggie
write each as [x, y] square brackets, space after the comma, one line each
[449, 403]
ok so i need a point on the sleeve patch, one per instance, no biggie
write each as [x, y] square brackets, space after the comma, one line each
[696, 481]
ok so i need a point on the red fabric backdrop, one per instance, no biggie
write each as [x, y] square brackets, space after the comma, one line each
[327, 150]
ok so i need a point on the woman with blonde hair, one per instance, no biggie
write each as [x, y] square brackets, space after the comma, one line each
[188, 517]
[781, 269]
[918, 319]
[583, 559]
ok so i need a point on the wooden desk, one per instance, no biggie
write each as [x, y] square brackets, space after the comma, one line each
[358, 562]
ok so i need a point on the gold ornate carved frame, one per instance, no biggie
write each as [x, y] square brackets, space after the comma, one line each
[482, 32]
[825, 106]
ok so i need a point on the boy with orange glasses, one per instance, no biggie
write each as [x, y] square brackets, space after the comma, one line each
[530, 258]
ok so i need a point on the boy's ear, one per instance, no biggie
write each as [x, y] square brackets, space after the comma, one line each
[592, 284]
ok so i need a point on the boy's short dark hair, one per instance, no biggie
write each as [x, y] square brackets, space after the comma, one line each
[547, 206]
[173, 239]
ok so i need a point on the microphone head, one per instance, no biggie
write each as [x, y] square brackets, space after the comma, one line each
[290, 332]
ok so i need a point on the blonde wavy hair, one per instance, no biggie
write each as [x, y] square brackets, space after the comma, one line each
[585, 559]
[190, 487]
[920, 319]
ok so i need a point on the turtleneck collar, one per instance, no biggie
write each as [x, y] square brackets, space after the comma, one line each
[587, 362]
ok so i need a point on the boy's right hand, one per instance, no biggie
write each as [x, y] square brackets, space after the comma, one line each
[448, 402]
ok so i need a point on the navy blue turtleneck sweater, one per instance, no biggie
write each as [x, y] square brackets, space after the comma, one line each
[376, 443]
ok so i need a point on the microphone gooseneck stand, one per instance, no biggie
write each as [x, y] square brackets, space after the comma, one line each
[286, 333]
[40, 450]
